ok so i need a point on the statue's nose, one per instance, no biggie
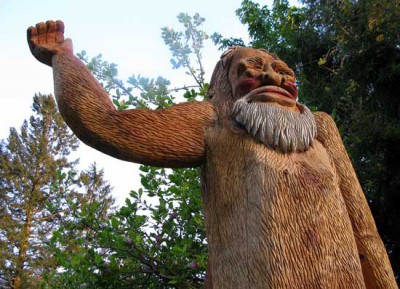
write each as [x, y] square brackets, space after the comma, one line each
[271, 77]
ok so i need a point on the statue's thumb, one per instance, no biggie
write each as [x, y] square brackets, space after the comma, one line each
[68, 46]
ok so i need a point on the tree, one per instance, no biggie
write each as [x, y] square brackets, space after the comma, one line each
[187, 45]
[346, 56]
[40, 190]
[75, 244]
[29, 162]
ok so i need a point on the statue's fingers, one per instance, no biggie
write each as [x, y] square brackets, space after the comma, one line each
[59, 31]
[51, 31]
[41, 30]
[32, 36]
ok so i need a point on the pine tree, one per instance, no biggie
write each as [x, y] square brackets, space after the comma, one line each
[31, 195]
[42, 194]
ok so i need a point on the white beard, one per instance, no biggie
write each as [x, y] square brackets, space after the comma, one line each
[276, 127]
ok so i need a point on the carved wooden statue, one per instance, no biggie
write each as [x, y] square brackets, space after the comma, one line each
[283, 206]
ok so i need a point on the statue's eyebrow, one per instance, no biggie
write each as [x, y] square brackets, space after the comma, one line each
[282, 66]
[255, 60]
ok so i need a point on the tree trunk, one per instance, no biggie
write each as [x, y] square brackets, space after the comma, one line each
[23, 248]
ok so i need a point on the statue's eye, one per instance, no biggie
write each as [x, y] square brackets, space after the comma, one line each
[281, 68]
[259, 67]
[241, 68]
[256, 63]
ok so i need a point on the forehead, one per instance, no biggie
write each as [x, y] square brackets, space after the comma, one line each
[243, 55]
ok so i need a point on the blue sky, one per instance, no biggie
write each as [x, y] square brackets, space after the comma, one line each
[127, 33]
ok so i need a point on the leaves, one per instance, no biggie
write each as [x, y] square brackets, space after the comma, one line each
[186, 46]
[79, 257]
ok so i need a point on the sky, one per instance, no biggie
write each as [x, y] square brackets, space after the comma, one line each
[127, 33]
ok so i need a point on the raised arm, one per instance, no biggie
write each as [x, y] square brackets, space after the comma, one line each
[375, 263]
[172, 137]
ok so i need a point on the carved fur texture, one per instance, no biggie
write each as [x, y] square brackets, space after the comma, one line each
[172, 137]
[277, 220]
[272, 225]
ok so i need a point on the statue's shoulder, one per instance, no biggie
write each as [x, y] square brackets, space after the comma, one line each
[326, 127]
[324, 120]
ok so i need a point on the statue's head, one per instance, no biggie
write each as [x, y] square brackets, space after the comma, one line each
[255, 91]
[257, 73]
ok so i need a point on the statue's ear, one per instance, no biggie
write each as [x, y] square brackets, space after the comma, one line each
[226, 57]
[219, 79]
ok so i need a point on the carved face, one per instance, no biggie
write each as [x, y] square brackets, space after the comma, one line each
[263, 78]
[263, 100]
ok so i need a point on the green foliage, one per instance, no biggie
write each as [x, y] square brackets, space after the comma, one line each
[148, 243]
[186, 45]
[75, 244]
[141, 92]
[225, 43]
[153, 93]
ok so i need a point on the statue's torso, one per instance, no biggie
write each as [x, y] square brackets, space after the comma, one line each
[275, 220]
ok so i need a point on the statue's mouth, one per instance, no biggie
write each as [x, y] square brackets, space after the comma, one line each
[270, 93]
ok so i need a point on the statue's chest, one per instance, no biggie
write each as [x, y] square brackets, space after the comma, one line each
[249, 165]
[266, 210]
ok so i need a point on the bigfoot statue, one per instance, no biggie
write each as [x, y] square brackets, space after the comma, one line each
[283, 206]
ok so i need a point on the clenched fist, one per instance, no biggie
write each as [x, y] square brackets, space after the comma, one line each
[47, 39]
